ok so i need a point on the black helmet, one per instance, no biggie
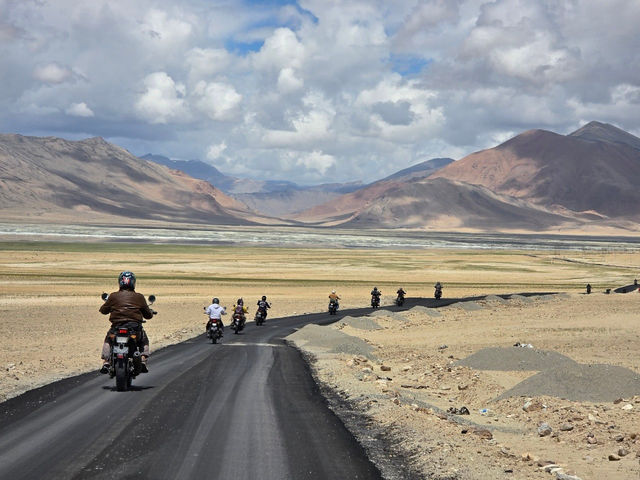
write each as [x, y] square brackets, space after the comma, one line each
[215, 300]
[264, 297]
[127, 281]
[240, 302]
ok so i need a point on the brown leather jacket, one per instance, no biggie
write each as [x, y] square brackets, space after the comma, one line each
[126, 306]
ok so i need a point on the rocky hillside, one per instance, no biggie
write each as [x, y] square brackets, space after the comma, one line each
[595, 169]
[51, 179]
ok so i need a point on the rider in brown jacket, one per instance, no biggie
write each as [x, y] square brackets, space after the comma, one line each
[126, 306]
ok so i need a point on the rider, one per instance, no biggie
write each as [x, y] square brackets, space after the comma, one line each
[375, 293]
[334, 298]
[401, 292]
[240, 308]
[215, 312]
[263, 305]
[127, 308]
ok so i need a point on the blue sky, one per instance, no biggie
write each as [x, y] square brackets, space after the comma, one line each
[315, 90]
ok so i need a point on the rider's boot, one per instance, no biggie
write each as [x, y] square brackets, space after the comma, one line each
[143, 364]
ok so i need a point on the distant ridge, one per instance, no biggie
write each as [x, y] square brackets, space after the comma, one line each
[604, 132]
[595, 169]
[55, 180]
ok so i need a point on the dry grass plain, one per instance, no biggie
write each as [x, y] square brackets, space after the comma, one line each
[50, 295]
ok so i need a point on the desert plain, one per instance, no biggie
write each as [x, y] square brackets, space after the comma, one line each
[51, 329]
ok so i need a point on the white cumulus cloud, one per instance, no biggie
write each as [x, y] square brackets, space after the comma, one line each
[79, 110]
[163, 99]
[52, 73]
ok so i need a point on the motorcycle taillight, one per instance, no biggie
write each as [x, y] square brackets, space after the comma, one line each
[123, 330]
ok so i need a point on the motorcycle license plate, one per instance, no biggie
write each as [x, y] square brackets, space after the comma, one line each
[122, 339]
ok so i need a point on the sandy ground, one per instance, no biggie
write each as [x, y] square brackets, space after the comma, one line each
[51, 328]
[411, 380]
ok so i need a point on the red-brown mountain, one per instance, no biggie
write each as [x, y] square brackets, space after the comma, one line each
[595, 169]
[449, 205]
[55, 180]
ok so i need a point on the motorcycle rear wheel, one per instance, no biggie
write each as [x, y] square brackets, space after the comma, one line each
[123, 379]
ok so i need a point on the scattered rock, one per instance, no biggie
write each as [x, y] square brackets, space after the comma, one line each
[442, 347]
[566, 427]
[623, 452]
[619, 438]
[483, 433]
[613, 457]
[532, 406]
[445, 387]
[528, 457]
[564, 476]
[385, 368]
[458, 411]
[464, 386]
[627, 407]
[544, 429]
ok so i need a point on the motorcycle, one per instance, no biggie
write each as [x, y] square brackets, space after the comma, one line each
[260, 316]
[214, 332]
[333, 307]
[375, 301]
[238, 322]
[400, 300]
[125, 363]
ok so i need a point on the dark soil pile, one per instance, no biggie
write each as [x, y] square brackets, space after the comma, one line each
[514, 358]
[580, 383]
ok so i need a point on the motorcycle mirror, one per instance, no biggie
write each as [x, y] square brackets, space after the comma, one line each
[104, 296]
[152, 298]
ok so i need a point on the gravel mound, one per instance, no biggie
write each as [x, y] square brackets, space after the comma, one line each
[429, 311]
[514, 358]
[470, 306]
[521, 298]
[388, 314]
[330, 340]
[495, 299]
[361, 323]
[580, 383]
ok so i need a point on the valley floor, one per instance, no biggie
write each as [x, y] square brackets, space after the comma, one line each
[51, 329]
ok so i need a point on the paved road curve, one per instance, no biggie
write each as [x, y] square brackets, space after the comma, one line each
[244, 409]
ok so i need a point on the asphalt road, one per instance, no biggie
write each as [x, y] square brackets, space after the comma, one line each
[247, 408]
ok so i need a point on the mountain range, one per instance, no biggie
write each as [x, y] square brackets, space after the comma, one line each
[51, 180]
[536, 181]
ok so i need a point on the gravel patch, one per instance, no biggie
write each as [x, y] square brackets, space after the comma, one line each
[388, 314]
[330, 340]
[514, 359]
[580, 383]
[470, 306]
[429, 311]
[495, 299]
[361, 323]
[521, 298]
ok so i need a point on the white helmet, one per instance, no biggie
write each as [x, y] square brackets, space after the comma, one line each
[333, 291]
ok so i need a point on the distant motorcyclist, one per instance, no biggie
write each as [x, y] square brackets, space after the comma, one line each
[334, 298]
[375, 296]
[438, 290]
[400, 298]
[263, 306]
[240, 310]
[215, 312]
[126, 308]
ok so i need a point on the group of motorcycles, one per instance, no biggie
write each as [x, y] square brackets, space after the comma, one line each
[238, 320]
[375, 298]
[125, 359]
